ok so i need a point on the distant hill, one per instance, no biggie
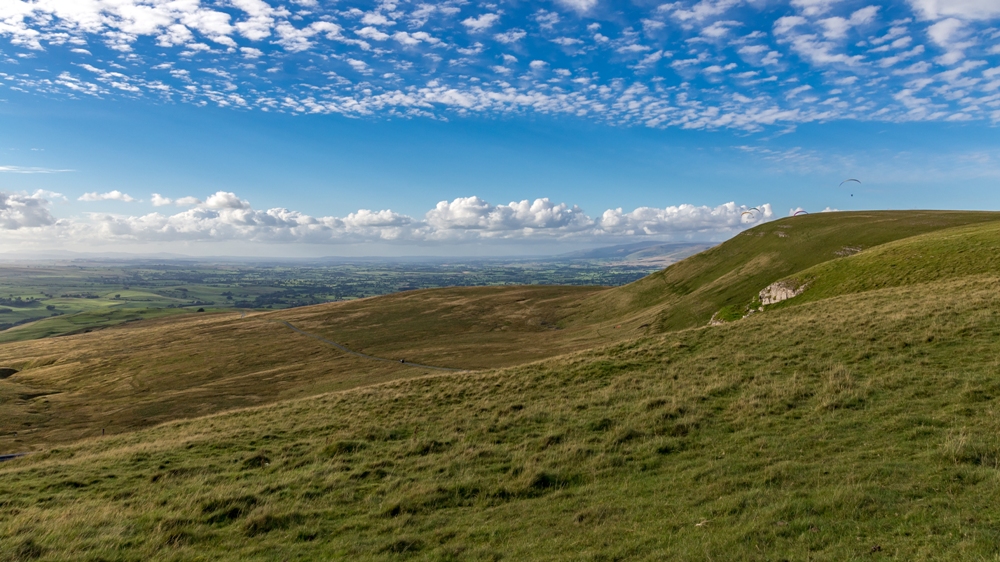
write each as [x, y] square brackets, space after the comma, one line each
[857, 420]
[640, 253]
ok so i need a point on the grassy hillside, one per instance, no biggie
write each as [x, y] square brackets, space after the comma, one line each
[856, 427]
[149, 372]
[946, 254]
[138, 375]
[688, 293]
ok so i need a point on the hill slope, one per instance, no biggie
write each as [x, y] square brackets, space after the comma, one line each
[688, 293]
[857, 425]
[149, 372]
[945, 254]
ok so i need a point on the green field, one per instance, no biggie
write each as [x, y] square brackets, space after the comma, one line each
[45, 300]
[856, 421]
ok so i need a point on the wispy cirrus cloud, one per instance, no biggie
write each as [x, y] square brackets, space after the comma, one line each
[31, 170]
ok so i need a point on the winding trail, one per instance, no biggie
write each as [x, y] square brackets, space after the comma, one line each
[365, 355]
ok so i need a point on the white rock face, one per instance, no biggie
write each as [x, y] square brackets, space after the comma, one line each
[779, 291]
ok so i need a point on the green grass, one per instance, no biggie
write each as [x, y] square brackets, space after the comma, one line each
[688, 293]
[816, 432]
[947, 254]
[856, 421]
[97, 318]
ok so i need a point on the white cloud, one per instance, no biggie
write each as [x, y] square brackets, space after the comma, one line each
[837, 27]
[412, 39]
[651, 25]
[947, 34]
[511, 36]
[566, 41]
[481, 23]
[30, 170]
[679, 219]
[159, 200]
[299, 39]
[225, 216]
[814, 7]
[19, 211]
[114, 195]
[225, 200]
[705, 9]
[372, 33]
[785, 24]
[965, 9]
[396, 74]
[719, 28]
[376, 19]
[578, 5]
[187, 202]
[796, 91]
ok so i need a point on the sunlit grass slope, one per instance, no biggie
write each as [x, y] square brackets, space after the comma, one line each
[945, 254]
[127, 377]
[688, 293]
[857, 427]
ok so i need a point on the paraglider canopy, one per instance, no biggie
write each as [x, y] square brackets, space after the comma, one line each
[797, 213]
[849, 179]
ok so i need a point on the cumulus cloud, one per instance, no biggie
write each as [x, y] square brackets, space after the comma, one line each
[114, 195]
[19, 211]
[225, 216]
[481, 23]
[187, 202]
[680, 219]
[159, 200]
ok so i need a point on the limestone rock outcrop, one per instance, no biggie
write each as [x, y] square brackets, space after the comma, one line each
[780, 291]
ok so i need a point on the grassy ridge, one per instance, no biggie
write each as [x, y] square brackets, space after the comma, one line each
[947, 254]
[826, 431]
[688, 293]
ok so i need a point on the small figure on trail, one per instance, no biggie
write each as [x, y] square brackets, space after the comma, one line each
[402, 360]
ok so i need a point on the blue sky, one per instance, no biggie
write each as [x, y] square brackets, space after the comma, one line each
[337, 128]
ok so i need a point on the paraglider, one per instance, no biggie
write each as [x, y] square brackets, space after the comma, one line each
[749, 212]
[797, 213]
[850, 179]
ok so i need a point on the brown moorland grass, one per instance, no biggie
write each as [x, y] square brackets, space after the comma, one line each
[862, 426]
[126, 377]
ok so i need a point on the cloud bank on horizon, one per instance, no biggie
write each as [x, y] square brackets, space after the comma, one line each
[224, 216]
[747, 65]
